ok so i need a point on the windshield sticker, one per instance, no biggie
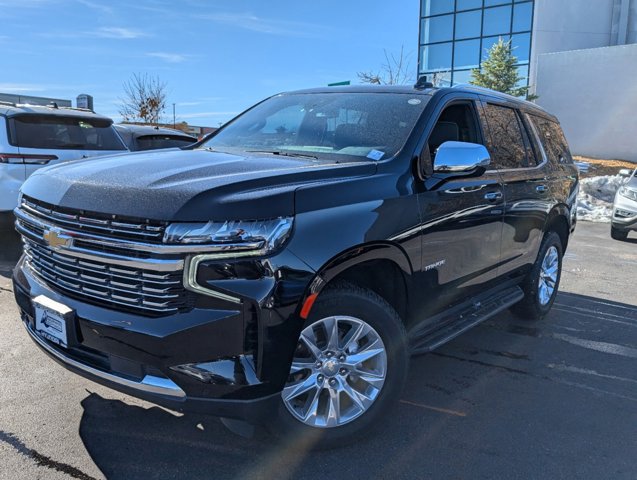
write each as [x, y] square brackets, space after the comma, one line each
[414, 101]
[375, 154]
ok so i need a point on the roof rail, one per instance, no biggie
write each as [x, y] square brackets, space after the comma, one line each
[50, 105]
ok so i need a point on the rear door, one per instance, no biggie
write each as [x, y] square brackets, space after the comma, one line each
[525, 183]
[12, 170]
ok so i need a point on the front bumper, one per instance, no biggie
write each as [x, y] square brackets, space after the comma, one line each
[624, 213]
[137, 355]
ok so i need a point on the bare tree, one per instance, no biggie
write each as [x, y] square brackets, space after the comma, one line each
[395, 71]
[144, 99]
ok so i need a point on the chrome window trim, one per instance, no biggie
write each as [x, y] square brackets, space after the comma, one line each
[149, 384]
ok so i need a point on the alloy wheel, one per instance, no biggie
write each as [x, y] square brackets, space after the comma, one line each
[548, 275]
[338, 371]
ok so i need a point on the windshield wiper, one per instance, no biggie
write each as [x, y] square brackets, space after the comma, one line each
[284, 154]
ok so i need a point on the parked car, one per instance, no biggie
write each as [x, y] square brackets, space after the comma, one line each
[146, 137]
[625, 206]
[285, 270]
[34, 136]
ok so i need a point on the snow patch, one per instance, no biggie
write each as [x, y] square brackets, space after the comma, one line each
[596, 196]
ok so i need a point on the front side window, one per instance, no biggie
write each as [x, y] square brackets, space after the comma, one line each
[324, 125]
[457, 123]
[508, 147]
[58, 132]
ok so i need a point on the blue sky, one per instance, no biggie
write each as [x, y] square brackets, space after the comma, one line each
[217, 57]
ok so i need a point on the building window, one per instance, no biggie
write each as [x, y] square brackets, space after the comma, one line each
[522, 16]
[466, 54]
[456, 35]
[436, 7]
[497, 20]
[521, 45]
[437, 29]
[436, 57]
[468, 24]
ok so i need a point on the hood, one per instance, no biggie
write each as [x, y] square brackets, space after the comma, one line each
[186, 185]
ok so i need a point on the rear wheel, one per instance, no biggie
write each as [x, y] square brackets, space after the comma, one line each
[617, 234]
[349, 366]
[541, 284]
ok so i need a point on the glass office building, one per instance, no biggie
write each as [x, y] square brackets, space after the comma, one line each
[455, 35]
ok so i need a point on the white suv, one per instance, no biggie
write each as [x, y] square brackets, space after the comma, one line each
[34, 136]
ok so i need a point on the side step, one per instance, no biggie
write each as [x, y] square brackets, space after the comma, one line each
[447, 325]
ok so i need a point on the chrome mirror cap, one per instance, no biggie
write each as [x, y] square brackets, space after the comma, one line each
[461, 157]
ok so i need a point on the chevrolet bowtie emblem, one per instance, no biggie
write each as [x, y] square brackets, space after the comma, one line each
[57, 239]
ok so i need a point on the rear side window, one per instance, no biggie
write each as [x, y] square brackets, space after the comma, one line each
[508, 147]
[552, 139]
[57, 132]
[154, 142]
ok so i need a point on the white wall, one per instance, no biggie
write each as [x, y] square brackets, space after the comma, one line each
[593, 93]
[560, 25]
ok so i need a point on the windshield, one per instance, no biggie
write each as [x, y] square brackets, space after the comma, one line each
[58, 132]
[154, 142]
[325, 125]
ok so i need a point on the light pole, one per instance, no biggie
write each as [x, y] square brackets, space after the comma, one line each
[174, 122]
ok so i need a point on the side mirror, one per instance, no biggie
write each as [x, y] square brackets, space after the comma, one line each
[461, 158]
[624, 172]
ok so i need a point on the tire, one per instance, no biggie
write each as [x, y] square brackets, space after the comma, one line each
[353, 310]
[538, 296]
[617, 234]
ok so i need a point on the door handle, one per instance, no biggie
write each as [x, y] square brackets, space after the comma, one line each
[540, 189]
[493, 196]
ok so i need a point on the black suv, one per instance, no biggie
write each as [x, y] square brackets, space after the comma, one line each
[284, 270]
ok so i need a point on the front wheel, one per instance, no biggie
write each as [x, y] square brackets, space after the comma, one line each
[618, 234]
[541, 284]
[349, 366]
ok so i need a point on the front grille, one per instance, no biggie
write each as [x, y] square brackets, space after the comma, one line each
[123, 288]
[112, 226]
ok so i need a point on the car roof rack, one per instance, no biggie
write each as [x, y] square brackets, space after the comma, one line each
[53, 105]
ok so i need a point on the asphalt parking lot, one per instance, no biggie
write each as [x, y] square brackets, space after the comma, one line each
[509, 399]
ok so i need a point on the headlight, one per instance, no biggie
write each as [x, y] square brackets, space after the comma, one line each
[260, 236]
[628, 193]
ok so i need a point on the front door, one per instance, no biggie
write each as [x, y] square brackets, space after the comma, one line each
[461, 219]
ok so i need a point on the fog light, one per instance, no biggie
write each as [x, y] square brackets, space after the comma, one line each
[624, 213]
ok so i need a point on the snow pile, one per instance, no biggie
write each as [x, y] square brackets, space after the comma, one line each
[595, 198]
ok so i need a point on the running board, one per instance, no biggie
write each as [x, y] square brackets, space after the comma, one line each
[452, 323]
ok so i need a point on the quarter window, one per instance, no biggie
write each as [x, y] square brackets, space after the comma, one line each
[508, 147]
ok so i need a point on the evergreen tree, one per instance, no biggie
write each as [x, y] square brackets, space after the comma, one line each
[499, 72]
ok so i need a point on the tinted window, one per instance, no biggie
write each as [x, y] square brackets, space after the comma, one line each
[508, 148]
[56, 132]
[552, 139]
[154, 142]
[522, 17]
[325, 125]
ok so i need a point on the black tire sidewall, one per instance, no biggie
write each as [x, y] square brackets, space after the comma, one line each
[532, 288]
[348, 300]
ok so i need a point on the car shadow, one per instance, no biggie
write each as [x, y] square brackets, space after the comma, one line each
[447, 404]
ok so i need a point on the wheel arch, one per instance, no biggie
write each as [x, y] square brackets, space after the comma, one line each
[558, 222]
[383, 267]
